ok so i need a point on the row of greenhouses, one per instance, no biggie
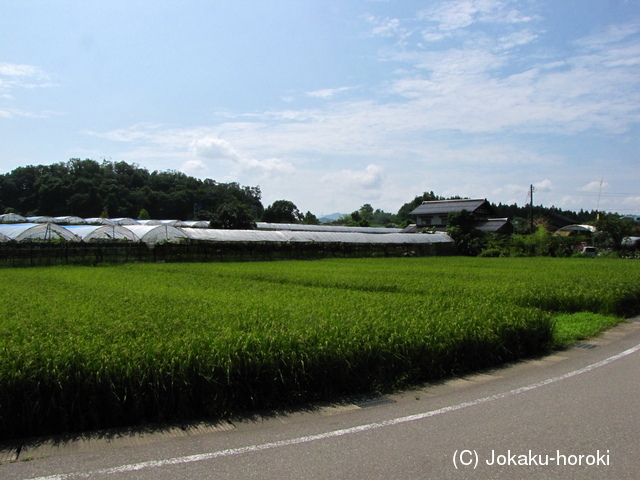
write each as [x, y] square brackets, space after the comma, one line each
[154, 234]
[12, 218]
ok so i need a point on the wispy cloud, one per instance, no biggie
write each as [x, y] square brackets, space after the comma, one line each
[15, 76]
[449, 18]
[329, 92]
[389, 28]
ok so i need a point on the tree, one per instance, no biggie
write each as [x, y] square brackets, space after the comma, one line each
[144, 215]
[233, 215]
[310, 219]
[612, 229]
[366, 212]
[86, 188]
[282, 211]
[403, 213]
[461, 228]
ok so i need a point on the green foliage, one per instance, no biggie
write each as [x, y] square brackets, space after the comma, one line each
[612, 228]
[85, 351]
[310, 219]
[282, 211]
[144, 215]
[403, 213]
[233, 215]
[468, 240]
[87, 188]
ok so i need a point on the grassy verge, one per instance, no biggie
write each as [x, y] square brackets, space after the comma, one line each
[572, 327]
[84, 348]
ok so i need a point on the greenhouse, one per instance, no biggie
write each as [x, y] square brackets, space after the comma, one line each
[152, 234]
[69, 220]
[124, 221]
[37, 231]
[40, 219]
[148, 222]
[196, 224]
[12, 218]
[88, 233]
[173, 223]
[99, 221]
[213, 235]
[324, 228]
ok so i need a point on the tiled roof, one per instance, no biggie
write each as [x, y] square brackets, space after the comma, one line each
[449, 206]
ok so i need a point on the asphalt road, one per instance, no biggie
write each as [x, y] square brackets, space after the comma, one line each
[570, 415]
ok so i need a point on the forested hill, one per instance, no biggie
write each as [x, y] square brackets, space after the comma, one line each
[87, 188]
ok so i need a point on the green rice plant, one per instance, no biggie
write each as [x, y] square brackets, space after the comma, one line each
[84, 348]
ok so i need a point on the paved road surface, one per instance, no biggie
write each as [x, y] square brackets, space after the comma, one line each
[569, 415]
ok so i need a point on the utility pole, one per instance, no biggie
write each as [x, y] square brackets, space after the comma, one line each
[531, 209]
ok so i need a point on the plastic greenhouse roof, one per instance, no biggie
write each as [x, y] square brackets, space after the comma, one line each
[99, 221]
[147, 222]
[219, 235]
[40, 219]
[324, 228]
[12, 218]
[196, 224]
[152, 234]
[69, 220]
[173, 223]
[324, 237]
[37, 231]
[124, 221]
[102, 232]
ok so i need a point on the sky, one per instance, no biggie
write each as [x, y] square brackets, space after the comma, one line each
[333, 104]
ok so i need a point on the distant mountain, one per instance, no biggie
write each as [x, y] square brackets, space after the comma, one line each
[331, 218]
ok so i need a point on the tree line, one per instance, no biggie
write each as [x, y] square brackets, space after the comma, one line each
[87, 188]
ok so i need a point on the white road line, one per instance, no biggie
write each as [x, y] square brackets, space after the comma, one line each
[335, 433]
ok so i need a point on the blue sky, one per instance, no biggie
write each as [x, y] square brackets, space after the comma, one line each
[335, 103]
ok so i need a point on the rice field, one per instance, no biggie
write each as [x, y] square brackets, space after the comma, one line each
[95, 347]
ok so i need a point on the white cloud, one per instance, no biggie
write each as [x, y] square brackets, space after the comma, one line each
[268, 167]
[20, 70]
[595, 186]
[453, 16]
[388, 28]
[329, 92]
[370, 177]
[517, 39]
[215, 148]
[545, 185]
[195, 168]
[13, 75]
